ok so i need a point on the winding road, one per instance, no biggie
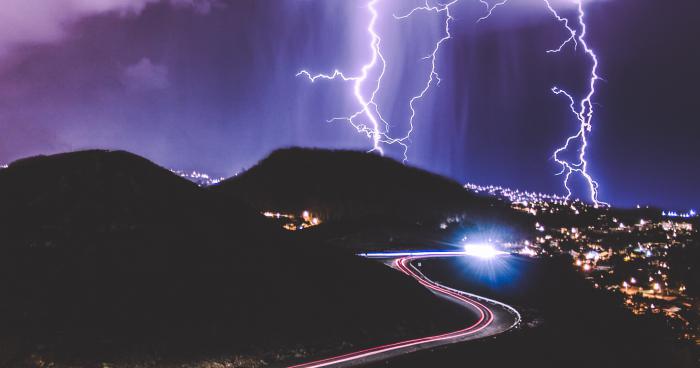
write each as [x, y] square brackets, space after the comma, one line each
[493, 317]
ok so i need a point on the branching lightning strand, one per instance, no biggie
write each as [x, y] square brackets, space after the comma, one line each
[369, 107]
[584, 111]
[434, 77]
[490, 8]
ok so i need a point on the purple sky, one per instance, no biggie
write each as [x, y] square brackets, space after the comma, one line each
[210, 85]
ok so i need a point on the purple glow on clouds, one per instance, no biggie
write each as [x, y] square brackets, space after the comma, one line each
[209, 85]
[39, 21]
[145, 75]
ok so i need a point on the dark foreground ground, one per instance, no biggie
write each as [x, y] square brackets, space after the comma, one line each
[567, 323]
[107, 259]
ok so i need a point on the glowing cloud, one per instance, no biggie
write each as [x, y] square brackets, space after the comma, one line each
[41, 21]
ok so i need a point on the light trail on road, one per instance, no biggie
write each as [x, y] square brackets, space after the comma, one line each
[485, 315]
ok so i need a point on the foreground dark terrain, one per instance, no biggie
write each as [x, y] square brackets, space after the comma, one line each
[107, 259]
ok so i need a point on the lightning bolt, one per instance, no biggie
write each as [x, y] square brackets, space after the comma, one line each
[433, 77]
[583, 110]
[369, 107]
[369, 120]
[565, 22]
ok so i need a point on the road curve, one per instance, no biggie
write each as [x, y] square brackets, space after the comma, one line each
[493, 318]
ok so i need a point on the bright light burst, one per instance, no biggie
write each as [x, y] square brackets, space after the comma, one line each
[481, 250]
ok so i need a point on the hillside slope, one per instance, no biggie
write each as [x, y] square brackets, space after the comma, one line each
[346, 184]
[104, 256]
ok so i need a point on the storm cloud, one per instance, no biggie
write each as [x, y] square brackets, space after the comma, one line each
[210, 85]
[40, 21]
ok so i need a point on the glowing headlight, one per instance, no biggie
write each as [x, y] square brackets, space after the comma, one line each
[481, 250]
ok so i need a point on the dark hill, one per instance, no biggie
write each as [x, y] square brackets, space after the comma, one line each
[346, 184]
[105, 256]
[60, 200]
[351, 187]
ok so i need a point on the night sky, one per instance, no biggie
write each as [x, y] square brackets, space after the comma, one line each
[210, 85]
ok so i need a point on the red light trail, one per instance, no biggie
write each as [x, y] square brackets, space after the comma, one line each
[486, 317]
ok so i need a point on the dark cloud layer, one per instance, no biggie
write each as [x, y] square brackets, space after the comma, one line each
[210, 85]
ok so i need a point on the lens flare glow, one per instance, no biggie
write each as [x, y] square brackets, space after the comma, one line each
[479, 250]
